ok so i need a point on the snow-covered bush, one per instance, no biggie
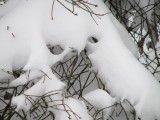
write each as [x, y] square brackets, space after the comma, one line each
[93, 50]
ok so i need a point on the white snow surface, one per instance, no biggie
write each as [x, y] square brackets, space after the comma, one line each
[46, 86]
[76, 110]
[101, 100]
[28, 28]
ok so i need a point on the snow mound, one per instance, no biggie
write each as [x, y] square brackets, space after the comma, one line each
[125, 77]
[73, 109]
[45, 87]
[101, 100]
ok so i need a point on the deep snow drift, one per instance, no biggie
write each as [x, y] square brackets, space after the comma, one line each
[28, 28]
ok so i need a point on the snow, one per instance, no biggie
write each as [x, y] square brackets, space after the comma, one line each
[101, 100]
[9, 5]
[45, 86]
[1, 2]
[76, 110]
[125, 77]
[26, 77]
[63, 108]
[31, 29]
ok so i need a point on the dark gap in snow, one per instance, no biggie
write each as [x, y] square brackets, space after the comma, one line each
[92, 39]
[56, 50]
[17, 73]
